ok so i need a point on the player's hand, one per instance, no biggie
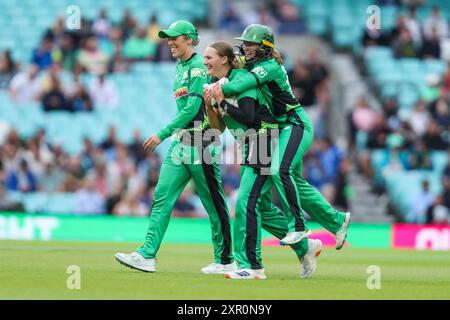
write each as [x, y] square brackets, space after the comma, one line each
[151, 143]
[207, 95]
[218, 93]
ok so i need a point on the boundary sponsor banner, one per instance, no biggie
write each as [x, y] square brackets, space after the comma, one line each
[411, 236]
[19, 226]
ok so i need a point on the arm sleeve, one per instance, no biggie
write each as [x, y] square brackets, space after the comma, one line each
[245, 113]
[188, 113]
[258, 75]
[240, 84]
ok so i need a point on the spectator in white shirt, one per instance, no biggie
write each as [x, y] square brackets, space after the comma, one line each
[419, 118]
[435, 22]
[421, 202]
[24, 86]
[413, 25]
[88, 200]
[102, 26]
[103, 92]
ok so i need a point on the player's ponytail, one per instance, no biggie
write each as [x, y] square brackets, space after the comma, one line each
[277, 56]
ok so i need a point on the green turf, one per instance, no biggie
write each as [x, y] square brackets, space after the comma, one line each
[37, 270]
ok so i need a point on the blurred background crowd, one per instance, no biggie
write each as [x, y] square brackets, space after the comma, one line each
[76, 105]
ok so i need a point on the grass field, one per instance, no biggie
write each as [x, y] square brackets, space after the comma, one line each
[37, 270]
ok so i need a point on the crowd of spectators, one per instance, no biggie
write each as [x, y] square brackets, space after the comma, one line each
[410, 38]
[410, 137]
[98, 48]
[282, 16]
[410, 140]
[309, 79]
[119, 179]
[110, 177]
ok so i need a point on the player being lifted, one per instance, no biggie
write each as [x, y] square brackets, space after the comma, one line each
[250, 120]
[185, 160]
[296, 135]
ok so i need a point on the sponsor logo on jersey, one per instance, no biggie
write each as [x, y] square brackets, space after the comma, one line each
[260, 71]
[198, 72]
[183, 91]
[184, 79]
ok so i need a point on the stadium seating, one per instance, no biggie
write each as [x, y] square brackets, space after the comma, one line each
[140, 108]
[41, 202]
[345, 19]
[30, 19]
[403, 185]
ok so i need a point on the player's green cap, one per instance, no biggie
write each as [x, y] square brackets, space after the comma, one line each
[258, 33]
[178, 28]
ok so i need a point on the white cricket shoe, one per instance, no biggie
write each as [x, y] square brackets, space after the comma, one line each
[217, 268]
[246, 274]
[135, 261]
[294, 237]
[309, 260]
[341, 235]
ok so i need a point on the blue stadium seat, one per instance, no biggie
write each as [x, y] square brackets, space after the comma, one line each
[377, 53]
[439, 160]
[437, 67]
[35, 202]
[403, 186]
[61, 203]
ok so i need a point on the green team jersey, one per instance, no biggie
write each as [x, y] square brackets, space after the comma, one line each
[272, 80]
[262, 118]
[263, 115]
[233, 125]
[188, 93]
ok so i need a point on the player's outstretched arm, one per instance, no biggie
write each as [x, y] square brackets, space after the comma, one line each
[152, 142]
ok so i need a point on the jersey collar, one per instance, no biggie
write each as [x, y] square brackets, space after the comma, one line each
[186, 61]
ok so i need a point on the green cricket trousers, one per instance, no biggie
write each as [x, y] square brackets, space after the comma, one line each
[294, 192]
[255, 210]
[254, 207]
[183, 163]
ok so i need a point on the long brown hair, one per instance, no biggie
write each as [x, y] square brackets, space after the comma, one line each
[277, 56]
[224, 49]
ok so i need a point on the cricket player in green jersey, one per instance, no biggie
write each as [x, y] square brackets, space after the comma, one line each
[191, 156]
[249, 120]
[296, 135]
